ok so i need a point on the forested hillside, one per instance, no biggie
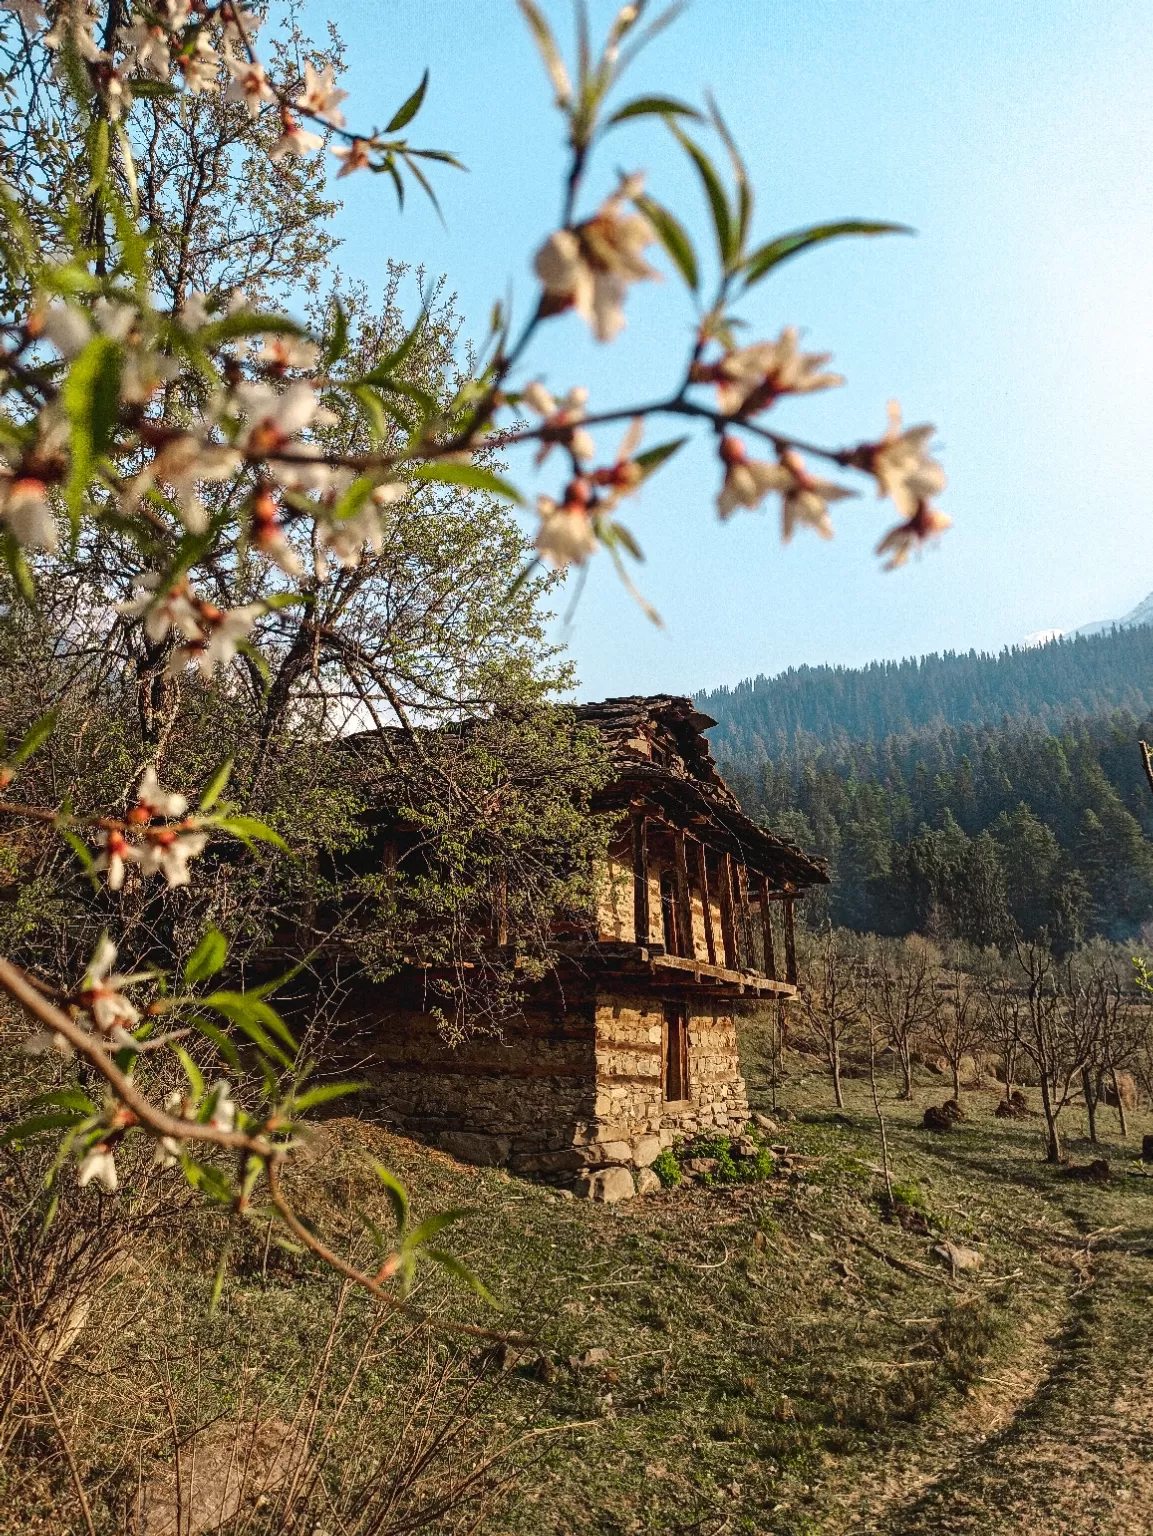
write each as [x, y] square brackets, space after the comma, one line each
[964, 831]
[1080, 677]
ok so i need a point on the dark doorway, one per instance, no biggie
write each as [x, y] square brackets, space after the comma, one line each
[676, 1052]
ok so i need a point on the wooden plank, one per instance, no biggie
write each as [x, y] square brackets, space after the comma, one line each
[703, 877]
[790, 943]
[640, 879]
[767, 929]
[687, 945]
[745, 919]
[721, 973]
[728, 923]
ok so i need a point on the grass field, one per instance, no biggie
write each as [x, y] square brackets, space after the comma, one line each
[779, 1357]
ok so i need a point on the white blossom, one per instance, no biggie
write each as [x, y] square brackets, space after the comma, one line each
[357, 156]
[222, 635]
[224, 1110]
[168, 1148]
[294, 140]
[46, 1041]
[750, 379]
[148, 47]
[275, 420]
[200, 66]
[249, 84]
[281, 352]
[194, 313]
[899, 462]
[73, 17]
[101, 992]
[26, 513]
[168, 852]
[30, 12]
[589, 268]
[559, 420]
[926, 523]
[162, 612]
[804, 498]
[566, 535]
[183, 462]
[98, 1163]
[320, 95]
[67, 327]
[156, 801]
[117, 854]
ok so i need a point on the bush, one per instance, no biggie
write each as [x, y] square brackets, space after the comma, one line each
[666, 1167]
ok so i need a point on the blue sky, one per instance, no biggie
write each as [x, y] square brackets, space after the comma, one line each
[1016, 138]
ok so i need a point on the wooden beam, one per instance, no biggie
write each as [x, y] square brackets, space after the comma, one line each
[728, 914]
[790, 943]
[767, 929]
[746, 918]
[687, 944]
[703, 878]
[640, 879]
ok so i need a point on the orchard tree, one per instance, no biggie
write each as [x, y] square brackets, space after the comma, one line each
[214, 512]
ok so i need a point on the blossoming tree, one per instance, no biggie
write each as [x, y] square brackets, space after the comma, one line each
[239, 469]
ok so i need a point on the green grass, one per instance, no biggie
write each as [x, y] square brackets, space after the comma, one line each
[782, 1355]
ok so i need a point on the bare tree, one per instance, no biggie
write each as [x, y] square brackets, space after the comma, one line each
[1059, 1032]
[1003, 1008]
[904, 996]
[956, 1022]
[832, 1000]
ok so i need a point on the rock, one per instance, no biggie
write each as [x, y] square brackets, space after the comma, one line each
[958, 1258]
[647, 1182]
[935, 1119]
[1126, 1090]
[474, 1147]
[952, 1108]
[223, 1470]
[1096, 1172]
[592, 1357]
[563, 1194]
[699, 1165]
[646, 1150]
[1147, 1149]
[614, 1152]
[763, 1123]
[607, 1185]
[745, 1146]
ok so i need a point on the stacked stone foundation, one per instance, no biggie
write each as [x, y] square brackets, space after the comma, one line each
[563, 1095]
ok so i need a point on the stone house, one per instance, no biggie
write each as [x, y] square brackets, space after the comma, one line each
[631, 1042]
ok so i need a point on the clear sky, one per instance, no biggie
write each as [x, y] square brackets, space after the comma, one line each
[1017, 138]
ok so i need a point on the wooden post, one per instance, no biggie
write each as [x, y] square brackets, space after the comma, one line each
[790, 943]
[728, 915]
[746, 917]
[640, 879]
[767, 930]
[703, 877]
[688, 946]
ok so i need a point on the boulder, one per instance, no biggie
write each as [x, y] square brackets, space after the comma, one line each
[607, 1185]
[224, 1469]
[957, 1257]
[745, 1146]
[647, 1182]
[763, 1123]
[699, 1165]
[646, 1150]
[1096, 1172]
[935, 1119]
[1147, 1149]
[615, 1152]
[475, 1147]
[1126, 1090]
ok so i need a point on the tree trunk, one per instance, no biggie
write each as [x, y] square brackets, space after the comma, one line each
[835, 1068]
[1088, 1089]
[1053, 1149]
[1120, 1105]
[955, 1063]
[906, 1069]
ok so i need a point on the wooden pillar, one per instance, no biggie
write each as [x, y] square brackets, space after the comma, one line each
[749, 958]
[640, 879]
[728, 915]
[688, 946]
[767, 930]
[703, 878]
[790, 943]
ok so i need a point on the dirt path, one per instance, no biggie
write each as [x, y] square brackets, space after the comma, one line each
[1075, 1455]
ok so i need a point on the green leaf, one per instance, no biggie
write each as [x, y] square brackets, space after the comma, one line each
[411, 107]
[354, 498]
[99, 145]
[250, 829]
[35, 737]
[241, 1006]
[38, 1125]
[208, 1180]
[770, 255]
[207, 958]
[431, 1225]
[471, 475]
[191, 1071]
[145, 86]
[714, 192]
[549, 52]
[652, 106]
[17, 565]
[653, 458]
[337, 344]
[372, 410]
[460, 1271]
[220, 1040]
[74, 1099]
[381, 372]
[672, 235]
[216, 785]
[90, 396]
[79, 848]
[247, 322]
[397, 1195]
[324, 1095]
